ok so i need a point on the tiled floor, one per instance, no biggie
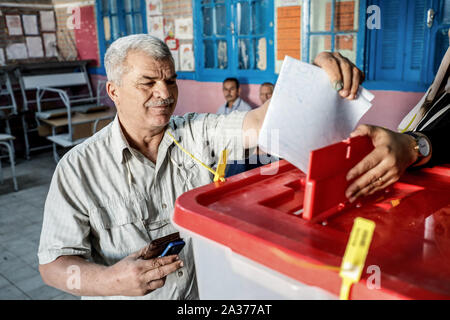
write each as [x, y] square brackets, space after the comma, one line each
[20, 228]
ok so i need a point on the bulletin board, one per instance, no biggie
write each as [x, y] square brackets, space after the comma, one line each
[27, 35]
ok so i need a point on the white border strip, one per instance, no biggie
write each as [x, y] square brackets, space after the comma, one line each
[25, 5]
[47, 6]
[74, 4]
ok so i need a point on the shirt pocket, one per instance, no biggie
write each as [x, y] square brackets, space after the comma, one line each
[118, 213]
[123, 228]
[186, 174]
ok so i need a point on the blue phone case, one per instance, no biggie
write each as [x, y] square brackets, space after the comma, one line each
[173, 248]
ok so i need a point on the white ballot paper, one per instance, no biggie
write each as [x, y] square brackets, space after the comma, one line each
[306, 113]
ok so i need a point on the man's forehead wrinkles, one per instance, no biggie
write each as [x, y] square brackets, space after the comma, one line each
[157, 77]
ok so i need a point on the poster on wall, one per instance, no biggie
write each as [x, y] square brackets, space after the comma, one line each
[2, 57]
[169, 28]
[30, 25]
[154, 7]
[16, 51]
[186, 57]
[50, 45]
[176, 59]
[47, 20]
[34, 45]
[183, 28]
[156, 26]
[14, 25]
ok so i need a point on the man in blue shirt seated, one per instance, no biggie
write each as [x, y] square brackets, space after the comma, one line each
[231, 93]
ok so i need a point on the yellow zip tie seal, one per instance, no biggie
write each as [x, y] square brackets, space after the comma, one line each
[219, 175]
[355, 254]
[220, 172]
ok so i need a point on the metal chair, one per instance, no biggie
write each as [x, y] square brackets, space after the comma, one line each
[6, 140]
[8, 106]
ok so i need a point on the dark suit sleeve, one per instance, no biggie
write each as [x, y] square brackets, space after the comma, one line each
[439, 136]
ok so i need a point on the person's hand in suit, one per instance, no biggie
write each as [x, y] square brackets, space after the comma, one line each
[393, 154]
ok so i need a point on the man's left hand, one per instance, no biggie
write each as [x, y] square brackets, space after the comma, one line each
[344, 75]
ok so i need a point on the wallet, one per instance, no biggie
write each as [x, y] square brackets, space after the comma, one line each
[157, 246]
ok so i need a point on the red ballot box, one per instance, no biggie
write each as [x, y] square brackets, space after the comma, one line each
[276, 233]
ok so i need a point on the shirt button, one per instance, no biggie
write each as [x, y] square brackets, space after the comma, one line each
[180, 273]
[164, 206]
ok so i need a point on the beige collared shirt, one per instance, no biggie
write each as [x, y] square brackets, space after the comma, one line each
[106, 200]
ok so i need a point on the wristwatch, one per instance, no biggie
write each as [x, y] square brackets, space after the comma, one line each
[422, 146]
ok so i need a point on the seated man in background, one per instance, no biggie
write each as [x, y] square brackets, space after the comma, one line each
[231, 92]
[265, 91]
[424, 140]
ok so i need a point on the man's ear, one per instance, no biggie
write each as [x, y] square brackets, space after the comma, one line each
[111, 89]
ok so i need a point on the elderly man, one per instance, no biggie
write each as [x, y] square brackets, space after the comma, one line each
[231, 91]
[265, 91]
[113, 194]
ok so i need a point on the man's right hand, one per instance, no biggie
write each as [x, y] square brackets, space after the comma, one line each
[133, 276]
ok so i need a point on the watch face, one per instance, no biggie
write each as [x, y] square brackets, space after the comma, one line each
[424, 147]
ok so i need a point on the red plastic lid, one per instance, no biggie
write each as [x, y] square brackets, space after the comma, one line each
[258, 214]
[326, 180]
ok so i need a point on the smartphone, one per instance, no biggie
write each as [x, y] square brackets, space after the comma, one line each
[173, 248]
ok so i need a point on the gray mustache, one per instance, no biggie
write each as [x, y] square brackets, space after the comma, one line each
[160, 103]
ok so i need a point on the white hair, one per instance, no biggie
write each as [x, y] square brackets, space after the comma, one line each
[117, 52]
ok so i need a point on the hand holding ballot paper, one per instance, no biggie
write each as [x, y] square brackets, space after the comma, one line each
[307, 113]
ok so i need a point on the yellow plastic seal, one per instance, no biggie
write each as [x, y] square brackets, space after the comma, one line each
[219, 175]
[355, 254]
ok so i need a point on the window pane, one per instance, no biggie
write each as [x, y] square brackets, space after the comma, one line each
[318, 44]
[137, 5]
[259, 9]
[346, 45]
[113, 6]
[138, 28]
[115, 27]
[107, 28]
[129, 24]
[128, 5]
[209, 53]
[105, 7]
[208, 21]
[221, 21]
[244, 53]
[242, 19]
[346, 15]
[320, 15]
[222, 55]
[260, 46]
